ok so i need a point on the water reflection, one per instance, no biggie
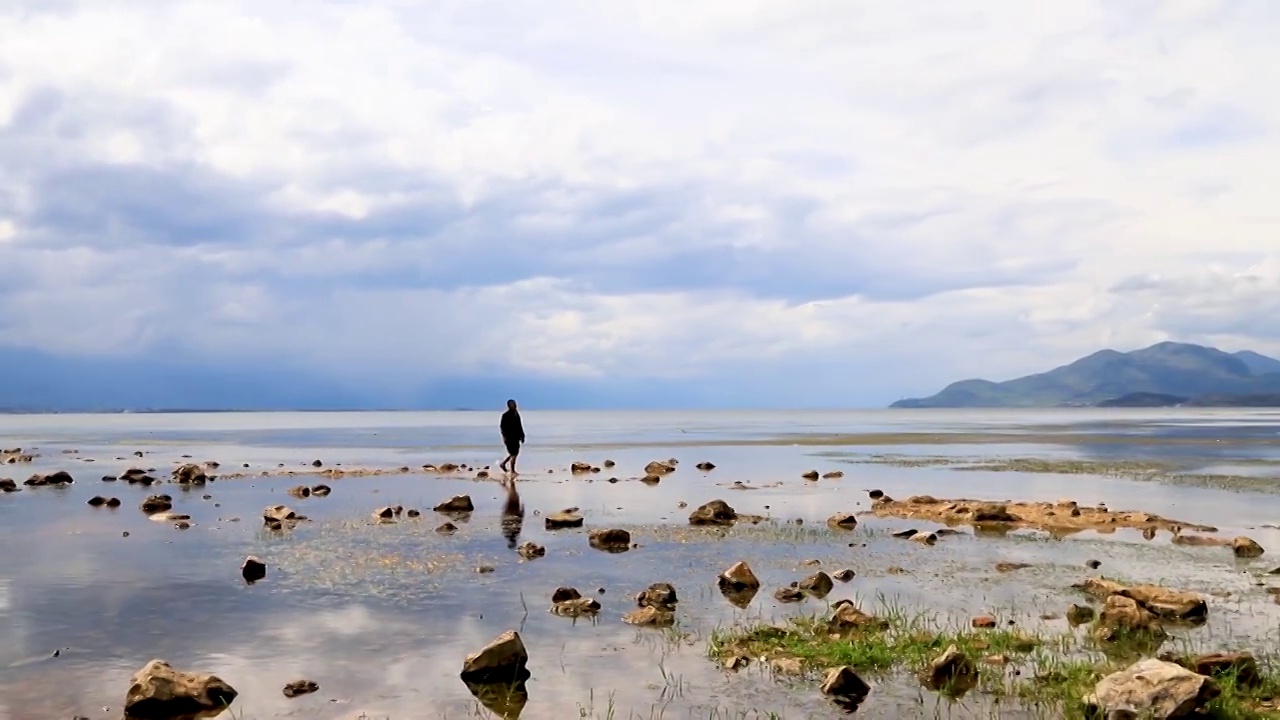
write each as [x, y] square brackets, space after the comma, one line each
[512, 513]
[506, 701]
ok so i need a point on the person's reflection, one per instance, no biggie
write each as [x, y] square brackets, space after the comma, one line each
[512, 513]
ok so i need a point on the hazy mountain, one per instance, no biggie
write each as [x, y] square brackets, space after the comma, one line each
[1173, 369]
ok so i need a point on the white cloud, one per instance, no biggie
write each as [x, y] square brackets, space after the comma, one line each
[639, 189]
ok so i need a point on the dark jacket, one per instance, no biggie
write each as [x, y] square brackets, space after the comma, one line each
[512, 429]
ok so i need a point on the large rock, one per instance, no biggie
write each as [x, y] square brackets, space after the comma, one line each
[716, 512]
[8, 485]
[658, 467]
[952, 672]
[1164, 602]
[158, 692]
[502, 661]
[1245, 547]
[190, 474]
[650, 617]
[844, 682]
[614, 541]
[62, 477]
[563, 519]
[1122, 618]
[1241, 666]
[156, 504]
[456, 504]
[253, 570]
[844, 520]
[658, 595]
[818, 584]
[1153, 689]
[739, 577]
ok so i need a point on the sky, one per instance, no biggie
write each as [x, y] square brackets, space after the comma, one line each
[730, 202]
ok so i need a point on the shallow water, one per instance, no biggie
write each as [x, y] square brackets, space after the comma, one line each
[381, 615]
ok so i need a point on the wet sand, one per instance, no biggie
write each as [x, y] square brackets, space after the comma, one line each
[381, 615]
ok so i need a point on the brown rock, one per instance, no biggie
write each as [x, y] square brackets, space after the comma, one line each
[300, 491]
[609, 463]
[818, 584]
[787, 666]
[1241, 666]
[156, 504]
[983, 622]
[1245, 547]
[924, 538]
[579, 468]
[530, 550]
[788, 595]
[8, 485]
[1164, 602]
[300, 687]
[97, 501]
[811, 475]
[157, 692]
[716, 512]
[456, 504]
[190, 474]
[833, 475]
[576, 607]
[278, 517]
[253, 570]
[614, 541]
[658, 595]
[844, 682]
[1080, 615]
[447, 529]
[650, 617]
[659, 468]
[563, 519]
[844, 576]
[1005, 567]
[844, 520]
[1122, 618]
[503, 660]
[651, 479]
[847, 618]
[739, 577]
[951, 672]
[706, 466]
[321, 490]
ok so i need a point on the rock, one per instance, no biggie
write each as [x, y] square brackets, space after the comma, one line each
[1152, 688]
[484, 569]
[848, 617]
[1005, 567]
[253, 570]
[563, 519]
[788, 595]
[156, 504]
[844, 576]
[385, 513]
[614, 541]
[811, 475]
[190, 474]
[1240, 666]
[300, 687]
[321, 490]
[1245, 547]
[650, 617]
[503, 660]
[1093, 564]
[97, 501]
[844, 682]
[300, 491]
[993, 512]
[833, 475]
[564, 594]
[952, 672]
[904, 534]
[62, 477]
[168, 517]
[876, 495]
[658, 595]
[706, 466]
[1122, 618]
[716, 512]
[1080, 615]
[609, 463]
[983, 622]
[739, 577]
[113, 502]
[736, 662]
[456, 504]
[277, 517]
[8, 485]
[580, 467]
[1164, 602]
[818, 584]
[530, 550]
[787, 666]
[576, 607]
[651, 479]
[924, 538]
[659, 468]
[316, 463]
[158, 692]
[845, 520]
[412, 513]
[447, 529]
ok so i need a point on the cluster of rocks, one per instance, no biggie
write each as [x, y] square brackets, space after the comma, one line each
[59, 478]
[15, 456]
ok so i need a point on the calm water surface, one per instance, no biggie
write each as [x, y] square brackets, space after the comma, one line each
[381, 615]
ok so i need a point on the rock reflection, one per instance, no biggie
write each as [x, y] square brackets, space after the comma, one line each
[506, 701]
[739, 598]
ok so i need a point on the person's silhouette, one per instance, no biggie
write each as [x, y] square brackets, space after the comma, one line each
[512, 436]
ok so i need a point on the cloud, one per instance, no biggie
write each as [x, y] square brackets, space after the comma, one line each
[389, 191]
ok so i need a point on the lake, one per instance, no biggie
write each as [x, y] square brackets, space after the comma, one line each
[381, 615]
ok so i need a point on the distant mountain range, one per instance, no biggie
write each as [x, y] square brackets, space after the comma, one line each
[1163, 375]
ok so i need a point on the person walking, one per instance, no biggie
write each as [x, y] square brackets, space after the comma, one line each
[512, 436]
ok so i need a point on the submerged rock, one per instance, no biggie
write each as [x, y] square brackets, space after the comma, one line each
[1245, 547]
[1152, 688]
[563, 519]
[739, 577]
[1163, 602]
[447, 529]
[716, 512]
[833, 475]
[568, 602]
[1123, 618]
[456, 504]
[156, 504]
[650, 617]
[530, 550]
[300, 687]
[659, 468]
[62, 477]
[504, 660]
[253, 570]
[658, 595]
[952, 672]
[158, 692]
[190, 474]
[614, 541]
[321, 490]
[845, 520]
[818, 584]
[8, 485]
[811, 475]
[706, 466]
[843, 682]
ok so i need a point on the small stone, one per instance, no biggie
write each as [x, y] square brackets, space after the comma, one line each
[563, 519]
[484, 569]
[716, 512]
[844, 520]
[844, 576]
[321, 490]
[456, 504]
[876, 494]
[613, 541]
[739, 577]
[1246, 548]
[658, 595]
[983, 622]
[650, 617]
[253, 570]
[844, 682]
[530, 550]
[811, 475]
[447, 529]
[300, 687]
[788, 595]
[833, 475]
[818, 584]
[706, 466]
[1080, 615]
[97, 501]
[952, 671]
[1093, 564]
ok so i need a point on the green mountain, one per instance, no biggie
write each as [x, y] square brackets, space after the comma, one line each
[1168, 368]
